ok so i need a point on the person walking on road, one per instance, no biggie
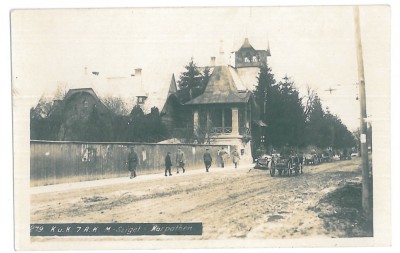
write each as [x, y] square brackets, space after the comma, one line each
[180, 161]
[236, 157]
[132, 162]
[168, 164]
[222, 155]
[207, 159]
[219, 158]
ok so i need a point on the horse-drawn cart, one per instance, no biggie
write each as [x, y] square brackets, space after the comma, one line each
[286, 166]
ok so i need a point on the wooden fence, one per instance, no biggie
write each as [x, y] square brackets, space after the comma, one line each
[64, 162]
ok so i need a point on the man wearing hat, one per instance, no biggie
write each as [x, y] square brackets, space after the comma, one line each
[180, 161]
[207, 159]
[236, 157]
[222, 156]
[168, 164]
[132, 162]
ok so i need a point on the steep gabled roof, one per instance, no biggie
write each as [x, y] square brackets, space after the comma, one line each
[221, 89]
[248, 76]
[172, 86]
[246, 44]
[171, 95]
[59, 107]
[72, 92]
[159, 98]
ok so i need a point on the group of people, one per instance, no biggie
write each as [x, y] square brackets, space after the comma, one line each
[180, 162]
[222, 156]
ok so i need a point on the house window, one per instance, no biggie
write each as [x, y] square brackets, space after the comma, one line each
[202, 118]
[227, 117]
[216, 117]
[85, 103]
[141, 100]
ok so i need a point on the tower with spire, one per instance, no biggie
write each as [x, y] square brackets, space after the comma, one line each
[247, 56]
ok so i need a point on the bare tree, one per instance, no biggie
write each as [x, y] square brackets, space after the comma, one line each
[61, 91]
[43, 107]
[116, 105]
[309, 98]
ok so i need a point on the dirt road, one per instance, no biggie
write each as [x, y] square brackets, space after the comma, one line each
[231, 203]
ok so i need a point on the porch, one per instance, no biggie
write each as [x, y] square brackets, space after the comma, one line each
[222, 120]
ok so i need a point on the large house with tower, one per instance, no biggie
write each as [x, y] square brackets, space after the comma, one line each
[226, 112]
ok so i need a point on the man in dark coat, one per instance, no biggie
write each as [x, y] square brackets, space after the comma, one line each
[168, 164]
[207, 159]
[132, 162]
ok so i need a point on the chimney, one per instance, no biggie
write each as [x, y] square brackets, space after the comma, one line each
[221, 59]
[138, 77]
[138, 73]
[141, 95]
[212, 63]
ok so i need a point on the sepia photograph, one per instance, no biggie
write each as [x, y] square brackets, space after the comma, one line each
[201, 127]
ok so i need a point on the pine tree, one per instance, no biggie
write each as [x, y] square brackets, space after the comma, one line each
[136, 113]
[155, 130]
[97, 128]
[205, 78]
[42, 126]
[262, 93]
[190, 83]
[341, 137]
[285, 115]
[316, 124]
[135, 124]
[325, 130]
[145, 127]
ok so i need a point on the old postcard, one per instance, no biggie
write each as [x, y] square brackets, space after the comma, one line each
[206, 127]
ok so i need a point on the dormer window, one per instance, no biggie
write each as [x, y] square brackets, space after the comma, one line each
[85, 103]
[141, 99]
[246, 59]
[254, 59]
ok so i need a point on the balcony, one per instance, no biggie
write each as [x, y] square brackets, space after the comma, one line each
[228, 130]
[220, 130]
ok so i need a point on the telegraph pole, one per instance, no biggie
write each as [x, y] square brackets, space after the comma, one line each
[366, 181]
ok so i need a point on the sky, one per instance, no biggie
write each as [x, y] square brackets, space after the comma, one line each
[314, 46]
